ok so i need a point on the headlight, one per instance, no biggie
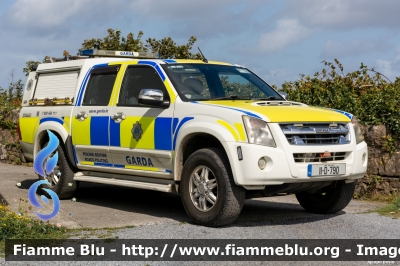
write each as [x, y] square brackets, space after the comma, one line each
[357, 130]
[258, 132]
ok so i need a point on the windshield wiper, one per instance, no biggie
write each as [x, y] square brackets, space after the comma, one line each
[269, 98]
[232, 97]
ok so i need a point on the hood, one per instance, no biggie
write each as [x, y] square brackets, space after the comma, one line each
[288, 112]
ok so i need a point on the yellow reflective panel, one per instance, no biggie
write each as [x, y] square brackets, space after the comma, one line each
[230, 128]
[117, 85]
[81, 131]
[67, 121]
[86, 163]
[285, 113]
[192, 61]
[188, 61]
[145, 168]
[147, 137]
[28, 126]
[171, 92]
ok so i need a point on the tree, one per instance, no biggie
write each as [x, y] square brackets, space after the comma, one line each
[29, 66]
[166, 47]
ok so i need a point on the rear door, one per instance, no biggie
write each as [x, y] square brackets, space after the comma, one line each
[91, 119]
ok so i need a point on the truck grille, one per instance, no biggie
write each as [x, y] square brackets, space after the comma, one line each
[317, 157]
[316, 134]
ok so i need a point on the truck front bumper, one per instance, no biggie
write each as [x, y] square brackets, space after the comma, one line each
[281, 166]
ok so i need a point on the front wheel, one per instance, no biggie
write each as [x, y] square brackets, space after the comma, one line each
[330, 199]
[209, 194]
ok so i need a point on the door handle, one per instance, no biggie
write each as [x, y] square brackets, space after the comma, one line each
[81, 116]
[118, 117]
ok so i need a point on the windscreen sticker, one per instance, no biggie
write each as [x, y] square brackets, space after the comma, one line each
[242, 70]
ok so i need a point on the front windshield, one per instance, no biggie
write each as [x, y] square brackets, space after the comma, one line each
[202, 82]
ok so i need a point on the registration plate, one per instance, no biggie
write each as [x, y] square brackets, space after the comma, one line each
[326, 169]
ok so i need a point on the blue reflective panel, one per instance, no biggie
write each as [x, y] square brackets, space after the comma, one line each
[99, 130]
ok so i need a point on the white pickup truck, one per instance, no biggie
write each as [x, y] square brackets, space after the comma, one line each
[214, 132]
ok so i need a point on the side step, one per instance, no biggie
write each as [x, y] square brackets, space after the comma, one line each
[125, 183]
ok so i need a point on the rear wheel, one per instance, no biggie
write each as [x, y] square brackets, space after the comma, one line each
[61, 179]
[209, 194]
[330, 199]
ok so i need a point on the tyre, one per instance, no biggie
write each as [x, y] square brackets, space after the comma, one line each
[209, 194]
[330, 199]
[61, 179]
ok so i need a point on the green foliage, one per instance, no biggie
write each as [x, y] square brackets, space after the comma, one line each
[389, 145]
[114, 41]
[166, 47]
[20, 226]
[392, 209]
[373, 99]
[29, 66]
[10, 99]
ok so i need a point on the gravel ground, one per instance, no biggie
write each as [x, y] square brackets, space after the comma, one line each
[155, 215]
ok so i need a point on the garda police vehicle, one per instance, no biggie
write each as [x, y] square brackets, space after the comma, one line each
[214, 132]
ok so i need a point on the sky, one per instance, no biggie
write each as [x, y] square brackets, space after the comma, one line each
[278, 40]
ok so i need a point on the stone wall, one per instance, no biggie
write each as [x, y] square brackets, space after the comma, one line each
[9, 146]
[381, 161]
[383, 173]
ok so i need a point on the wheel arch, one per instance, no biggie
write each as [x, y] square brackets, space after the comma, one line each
[60, 132]
[194, 137]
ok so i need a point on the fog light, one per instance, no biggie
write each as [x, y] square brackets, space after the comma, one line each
[262, 163]
[364, 157]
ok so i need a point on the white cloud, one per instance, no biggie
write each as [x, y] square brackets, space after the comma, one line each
[390, 68]
[287, 31]
[345, 14]
[353, 48]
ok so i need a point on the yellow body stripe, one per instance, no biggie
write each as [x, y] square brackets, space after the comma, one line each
[67, 121]
[81, 135]
[230, 128]
[147, 140]
[170, 90]
[86, 163]
[145, 168]
[117, 85]
[285, 113]
[28, 126]
[240, 129]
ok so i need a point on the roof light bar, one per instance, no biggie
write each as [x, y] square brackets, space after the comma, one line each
[106, 53]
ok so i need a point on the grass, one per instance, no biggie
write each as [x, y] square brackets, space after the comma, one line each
[18, 225]
[392, 209]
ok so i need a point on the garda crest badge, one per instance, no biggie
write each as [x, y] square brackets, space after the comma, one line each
[137, 131]
[29, 85]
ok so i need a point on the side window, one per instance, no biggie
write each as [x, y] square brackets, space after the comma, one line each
[137, 78]
[99, 88]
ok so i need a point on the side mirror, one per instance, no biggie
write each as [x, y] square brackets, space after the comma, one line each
[152, 97]
[283, 94]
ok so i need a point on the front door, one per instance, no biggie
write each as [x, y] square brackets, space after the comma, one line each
[141, 136]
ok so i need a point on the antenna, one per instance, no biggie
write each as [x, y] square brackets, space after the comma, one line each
[204, 58]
